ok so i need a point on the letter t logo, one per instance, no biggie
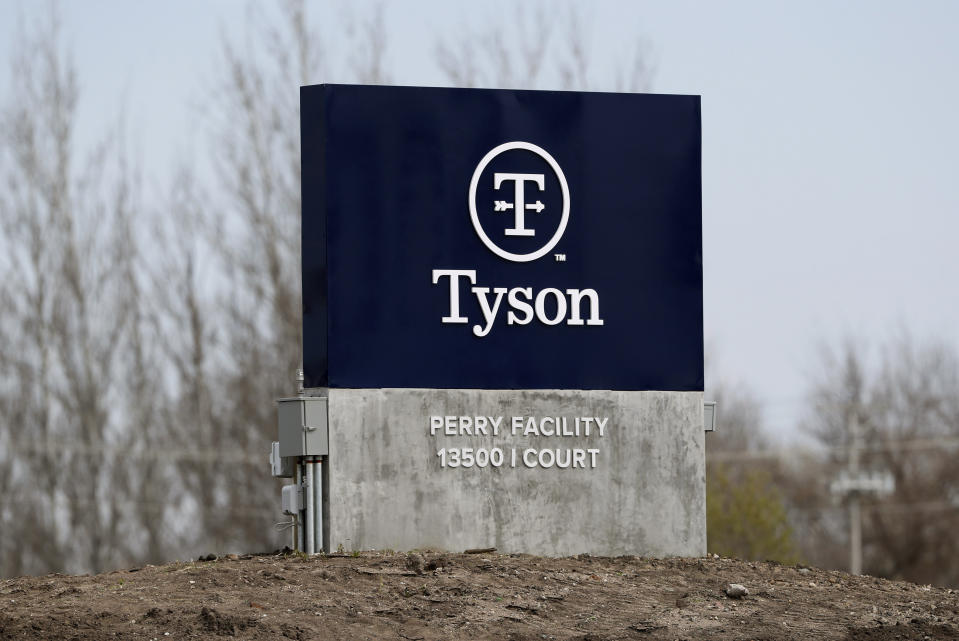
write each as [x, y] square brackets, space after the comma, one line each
[519, 205]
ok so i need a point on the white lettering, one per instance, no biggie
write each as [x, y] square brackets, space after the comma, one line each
[520, 311]
[520, 306]
[468, 457]
[541, 306]
[586, 422]
[560, 457]
[527, 426]
[531, 427]
[454, 276]
[542, 426]
[576, 296]
[601, 424]
[488, 314]
[546, 458]
[592, 457]
[579, 458]
[479, 426]
[526, 460]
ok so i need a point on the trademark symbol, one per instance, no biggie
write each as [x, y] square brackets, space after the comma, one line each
[560, 258]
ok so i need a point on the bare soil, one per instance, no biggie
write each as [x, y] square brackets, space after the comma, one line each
[486, 596]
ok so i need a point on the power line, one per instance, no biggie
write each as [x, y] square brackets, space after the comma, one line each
[131, 506]
[791, 452]
[56, 446]
[880, 506]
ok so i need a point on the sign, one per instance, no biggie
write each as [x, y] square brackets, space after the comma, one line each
[492, 239]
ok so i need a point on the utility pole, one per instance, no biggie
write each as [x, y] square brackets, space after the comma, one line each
[852, 484]
[855, 507]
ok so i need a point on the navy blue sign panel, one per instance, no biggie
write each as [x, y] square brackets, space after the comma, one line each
[487, 239]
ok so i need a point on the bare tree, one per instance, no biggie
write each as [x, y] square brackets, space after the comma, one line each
[540, 47]
[367, 59]
[742, 427]
[747, 510]
[243, 352]
[137, 387]
[907, 408]
[72, 289]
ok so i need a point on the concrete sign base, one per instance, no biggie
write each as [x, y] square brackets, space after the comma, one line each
[546, 472]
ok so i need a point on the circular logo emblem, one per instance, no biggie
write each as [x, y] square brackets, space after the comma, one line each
[518, 196]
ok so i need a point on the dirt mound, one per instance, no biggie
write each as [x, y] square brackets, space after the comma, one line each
[443, 596]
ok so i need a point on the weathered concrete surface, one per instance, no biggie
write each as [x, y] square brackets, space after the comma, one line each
[646, 496]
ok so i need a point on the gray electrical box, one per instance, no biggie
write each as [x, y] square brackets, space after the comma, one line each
[281, 466]
[303, 426]
[709, 416]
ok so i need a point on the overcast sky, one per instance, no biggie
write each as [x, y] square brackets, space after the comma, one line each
[830, 133]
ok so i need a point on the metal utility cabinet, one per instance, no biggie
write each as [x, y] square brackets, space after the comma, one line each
[302, 424]
[303, 427]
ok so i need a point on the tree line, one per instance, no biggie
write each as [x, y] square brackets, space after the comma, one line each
[902, 397]
[146, 335]
[146, 331]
